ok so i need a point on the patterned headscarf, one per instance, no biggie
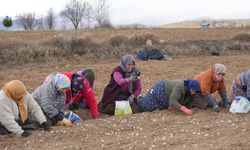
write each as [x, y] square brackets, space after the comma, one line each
[78, 83]
[220, 68]
[89, 75]
[16, 91]
[61, 81]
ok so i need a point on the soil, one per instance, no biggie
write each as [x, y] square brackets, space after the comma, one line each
[155, 130]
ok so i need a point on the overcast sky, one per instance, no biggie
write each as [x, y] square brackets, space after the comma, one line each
[149, 12]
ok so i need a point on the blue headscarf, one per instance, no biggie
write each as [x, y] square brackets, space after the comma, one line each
[191, 84]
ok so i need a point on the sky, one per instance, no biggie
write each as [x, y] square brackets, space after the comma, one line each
[148, 12]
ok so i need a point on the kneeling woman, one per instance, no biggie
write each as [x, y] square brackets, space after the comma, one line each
[51, 97]
[176, 94]
[212, 80]
[80, 95]
[124, 84]
[241, 86]
[19, 111]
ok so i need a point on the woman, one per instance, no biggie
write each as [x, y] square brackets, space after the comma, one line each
[211, 81]
[241, 86]
[51, 97]
[19, 112]
[89, 75]
[80, 94]
[124, 84]
[175, 94]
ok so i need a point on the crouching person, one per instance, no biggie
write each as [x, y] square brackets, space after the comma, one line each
[80, 95]
[19, 111]
[211, 81]
[177, 94]
[241, 86]
[124, 84]
[51, 97]
[89, 75]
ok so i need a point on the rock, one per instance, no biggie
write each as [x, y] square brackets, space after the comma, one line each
[161, 41]
[215, 52]
[149, 42]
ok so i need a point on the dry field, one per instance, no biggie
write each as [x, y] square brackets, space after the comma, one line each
[156, 130]
[52, 46]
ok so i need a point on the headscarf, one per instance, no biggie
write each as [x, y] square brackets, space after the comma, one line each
[89, 75]
[16, 91]
[219, 68]
[125, 60]
[81, 72]
[78, 83]
[50, 77]
[61, 81]
[191, 84]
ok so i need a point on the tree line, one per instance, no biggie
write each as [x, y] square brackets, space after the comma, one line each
[75, 11]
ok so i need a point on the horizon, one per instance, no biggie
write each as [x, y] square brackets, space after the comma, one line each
[148, 13]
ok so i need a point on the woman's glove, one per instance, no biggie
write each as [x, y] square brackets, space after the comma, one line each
[64, 122]
[133, 78]
[26, 133]
[186, 110]
[131, 99]
[45, 126]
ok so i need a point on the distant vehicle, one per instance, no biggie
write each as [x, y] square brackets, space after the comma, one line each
[205, 25]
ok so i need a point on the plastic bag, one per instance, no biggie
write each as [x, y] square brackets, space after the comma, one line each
[122, 108]
[74, 118]
[240, 104]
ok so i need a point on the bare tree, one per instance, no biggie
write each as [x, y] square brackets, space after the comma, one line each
[89, 14]
[50, 19]
[75, 11]
[26, 20]
[101, 13]
[39, 23]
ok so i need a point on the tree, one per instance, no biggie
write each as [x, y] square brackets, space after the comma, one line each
[39, 23]
[89, 14]
[101, 13]
[50, 19]
[75, 10]
[7, 22]
[26, 20]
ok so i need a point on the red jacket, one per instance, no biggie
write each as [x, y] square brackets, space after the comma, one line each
[87, 94]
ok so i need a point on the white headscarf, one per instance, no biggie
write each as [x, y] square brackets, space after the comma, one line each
[220, 68]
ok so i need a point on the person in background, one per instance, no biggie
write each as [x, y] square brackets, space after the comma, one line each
[212, 80]
[19, 111]
[124, 84]
[241, 86]
[173, 94]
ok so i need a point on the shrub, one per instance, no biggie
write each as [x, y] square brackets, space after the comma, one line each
[118, 40]
[141, 39]
[243, 37]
